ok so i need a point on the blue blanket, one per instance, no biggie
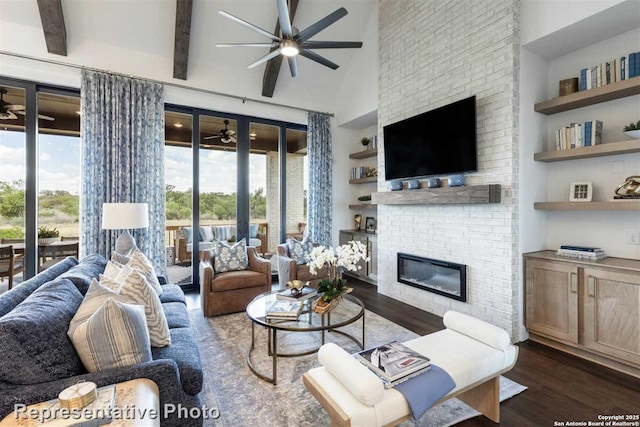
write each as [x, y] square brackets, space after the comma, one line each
[425, 389]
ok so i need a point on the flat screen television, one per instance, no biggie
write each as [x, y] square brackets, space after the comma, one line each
[438, 142]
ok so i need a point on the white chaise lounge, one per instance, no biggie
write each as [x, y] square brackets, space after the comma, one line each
[473, 352]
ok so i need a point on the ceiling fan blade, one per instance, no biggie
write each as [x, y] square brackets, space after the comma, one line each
[235, 140]
[284, 19]
[245, 45]
[40, 116]
[249, 25]
[314, 29]
[15, 107]
[8, 115]
[319, 59]
[331, 45]
[293, 65]
[265, 58]
[231, 132]
[212, 137]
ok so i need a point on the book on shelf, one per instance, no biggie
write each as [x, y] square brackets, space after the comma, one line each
[284, 309]
[580, 248]
[394, 362]
[593, 256]
[578, 135]
[305, 293]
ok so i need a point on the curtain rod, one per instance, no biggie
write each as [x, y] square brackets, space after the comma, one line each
[177, 85]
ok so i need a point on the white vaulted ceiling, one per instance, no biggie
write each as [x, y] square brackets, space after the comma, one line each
[137, 37]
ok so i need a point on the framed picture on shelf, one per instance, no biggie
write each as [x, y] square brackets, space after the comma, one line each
[370, 225]
[581, 192]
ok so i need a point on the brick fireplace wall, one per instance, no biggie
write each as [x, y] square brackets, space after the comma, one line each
[432, 53]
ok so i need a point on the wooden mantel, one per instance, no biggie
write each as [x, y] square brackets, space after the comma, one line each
[473, 194]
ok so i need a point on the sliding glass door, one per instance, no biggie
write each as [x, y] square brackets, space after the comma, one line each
[39, 171]
[224, 176]
[13, 174]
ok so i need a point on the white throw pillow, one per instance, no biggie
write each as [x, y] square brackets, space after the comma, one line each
[125, 344]
[134, 290]
[112, 269]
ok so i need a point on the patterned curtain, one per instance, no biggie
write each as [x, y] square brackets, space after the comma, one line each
[319, 146]
[122, 159]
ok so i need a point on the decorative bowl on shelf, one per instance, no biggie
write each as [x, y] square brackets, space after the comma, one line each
[635, 134]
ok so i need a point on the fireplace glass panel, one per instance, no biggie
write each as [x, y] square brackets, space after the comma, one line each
[441, 277]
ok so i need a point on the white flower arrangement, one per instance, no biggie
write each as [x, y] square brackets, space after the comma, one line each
[345, 257]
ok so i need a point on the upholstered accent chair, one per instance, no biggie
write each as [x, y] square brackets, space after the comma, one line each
[231, 291]
[10, 264]
[289, 270]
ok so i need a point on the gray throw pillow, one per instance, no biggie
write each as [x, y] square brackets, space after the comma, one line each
[299, 250]
[230, 258]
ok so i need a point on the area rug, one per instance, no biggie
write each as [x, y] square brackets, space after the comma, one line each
[243, 399]
[179, 274]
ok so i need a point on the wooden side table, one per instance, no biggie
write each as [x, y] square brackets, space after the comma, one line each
[136, 400]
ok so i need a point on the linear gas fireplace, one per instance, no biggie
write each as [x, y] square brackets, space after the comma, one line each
[440, 277]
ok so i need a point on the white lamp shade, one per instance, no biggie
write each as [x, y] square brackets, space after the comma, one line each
[123, 216]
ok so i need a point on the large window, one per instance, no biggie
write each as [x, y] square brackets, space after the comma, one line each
[13, 175]
[238, 185]
[39, 172]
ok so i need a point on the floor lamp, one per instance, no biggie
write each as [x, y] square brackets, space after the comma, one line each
[125, 216]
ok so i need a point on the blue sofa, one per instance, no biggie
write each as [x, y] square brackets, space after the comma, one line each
[38, 360]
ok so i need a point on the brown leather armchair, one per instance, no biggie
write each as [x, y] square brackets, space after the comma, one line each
[289, 270]
[230, 292]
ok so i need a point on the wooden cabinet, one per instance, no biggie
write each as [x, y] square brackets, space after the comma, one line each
[552, 299]
[612, 313]
[587, 308]
[368, 270]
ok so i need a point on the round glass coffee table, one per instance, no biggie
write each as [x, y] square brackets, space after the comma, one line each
[347, 312]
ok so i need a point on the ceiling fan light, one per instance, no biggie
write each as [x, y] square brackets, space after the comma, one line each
[289, 48]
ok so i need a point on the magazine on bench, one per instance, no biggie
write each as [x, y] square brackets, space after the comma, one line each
[394, 362]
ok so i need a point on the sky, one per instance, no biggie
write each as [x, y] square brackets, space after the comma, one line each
[59, 165]
[59, 160]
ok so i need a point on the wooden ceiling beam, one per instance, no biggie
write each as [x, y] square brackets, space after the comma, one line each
[182, 36]
[273, 66]
[55, 33]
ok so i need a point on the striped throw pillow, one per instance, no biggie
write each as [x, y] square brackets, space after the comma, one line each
[138, 261]
[134, 290]
[114, 336]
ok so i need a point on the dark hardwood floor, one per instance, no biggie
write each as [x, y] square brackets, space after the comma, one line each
[561, 387]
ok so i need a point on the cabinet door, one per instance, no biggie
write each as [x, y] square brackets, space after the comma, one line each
[345, 238]
[612, 313]
[372, 247]
[552, 299]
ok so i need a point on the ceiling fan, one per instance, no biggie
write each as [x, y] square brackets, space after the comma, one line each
[226, 135]
[8, 111]
[293, 42]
